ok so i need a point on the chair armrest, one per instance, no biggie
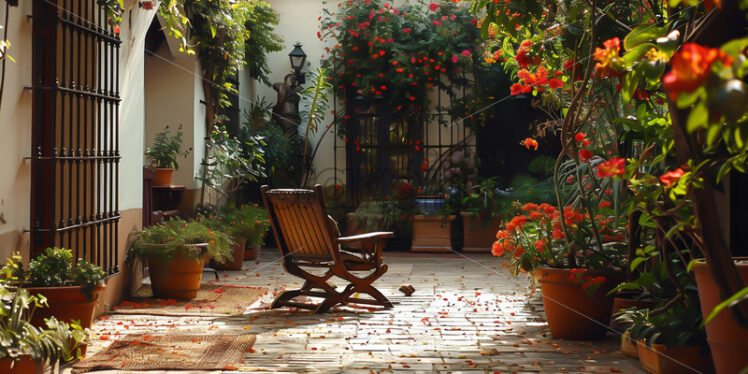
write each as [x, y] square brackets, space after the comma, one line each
[367, 236]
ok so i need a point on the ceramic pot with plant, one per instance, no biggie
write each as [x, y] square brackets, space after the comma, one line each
[163, 154]
[71, 289]
[574, 272]
[175, 252]
[26, 348]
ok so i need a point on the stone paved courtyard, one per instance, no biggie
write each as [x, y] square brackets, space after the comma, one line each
[468, 315]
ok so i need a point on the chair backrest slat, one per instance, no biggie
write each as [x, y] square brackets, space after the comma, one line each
[299, 220]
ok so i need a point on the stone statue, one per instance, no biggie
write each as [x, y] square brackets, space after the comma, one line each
[286, 111]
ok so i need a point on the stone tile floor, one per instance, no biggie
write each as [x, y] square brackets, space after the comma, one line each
[468, 315]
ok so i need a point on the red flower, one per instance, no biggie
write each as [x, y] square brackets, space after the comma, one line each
[433, 7]
[603, 204]
[115, 28]
[585, 155]
[614, 166]
[555, 83]
[671, 177]
[530, 142]
[147, 5]
[608, 57]
[691, 67]
[580, 136]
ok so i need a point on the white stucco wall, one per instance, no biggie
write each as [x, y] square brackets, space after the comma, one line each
[298, 22]
[173, 90]
[15, 122]
[132, 107]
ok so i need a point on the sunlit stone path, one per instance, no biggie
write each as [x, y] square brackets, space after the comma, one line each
[468, 315]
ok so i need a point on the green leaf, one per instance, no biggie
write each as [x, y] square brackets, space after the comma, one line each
[734, 47]
[698, 118]
[731, 301]
[629, 84]
[643, 33]
[637, 53]
[636, 262]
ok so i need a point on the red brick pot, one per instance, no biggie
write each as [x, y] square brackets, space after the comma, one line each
[727, 340]
[570, 311]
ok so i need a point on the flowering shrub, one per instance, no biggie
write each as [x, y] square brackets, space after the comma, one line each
[543, 235]
[398, 53]
[659, 138]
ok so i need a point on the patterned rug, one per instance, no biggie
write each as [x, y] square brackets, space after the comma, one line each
[170, 352]
[211, 300]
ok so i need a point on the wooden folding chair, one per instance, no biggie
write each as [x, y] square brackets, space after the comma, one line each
[308, 237]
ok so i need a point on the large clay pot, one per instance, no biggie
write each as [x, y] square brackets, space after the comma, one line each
[478, 236]
[659, 359]
[237, 252]
[431, 234]
[163, 176]
[67, 304]
[727, 339]
[571, 312]
[25, 365]
[628, 299]
[178, 278]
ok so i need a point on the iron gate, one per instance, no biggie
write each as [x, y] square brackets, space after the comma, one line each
[75, 131]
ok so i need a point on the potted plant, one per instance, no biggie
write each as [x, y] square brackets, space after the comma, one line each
[480, 215]
[246, 224]
[27, 348]
[575, 273]
[670, 340]
[71, 289]
[256, 225]
[175, 252]
[163, 156]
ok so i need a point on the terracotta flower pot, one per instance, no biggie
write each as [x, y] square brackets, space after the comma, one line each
[477, 235]
[659, 359]
[25, 365]
[627, 299]
[251, 252]
[430, 236]
[570, 311]
[727, 340]
[178, 278]
[163, 176]
[66, 303]
[237, 252]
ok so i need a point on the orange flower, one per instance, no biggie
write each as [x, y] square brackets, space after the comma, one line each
[497, 249]
[691, 67]
[671, 177]
[529, 206]
[530, 142]
[608, 57]
[614, 166]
